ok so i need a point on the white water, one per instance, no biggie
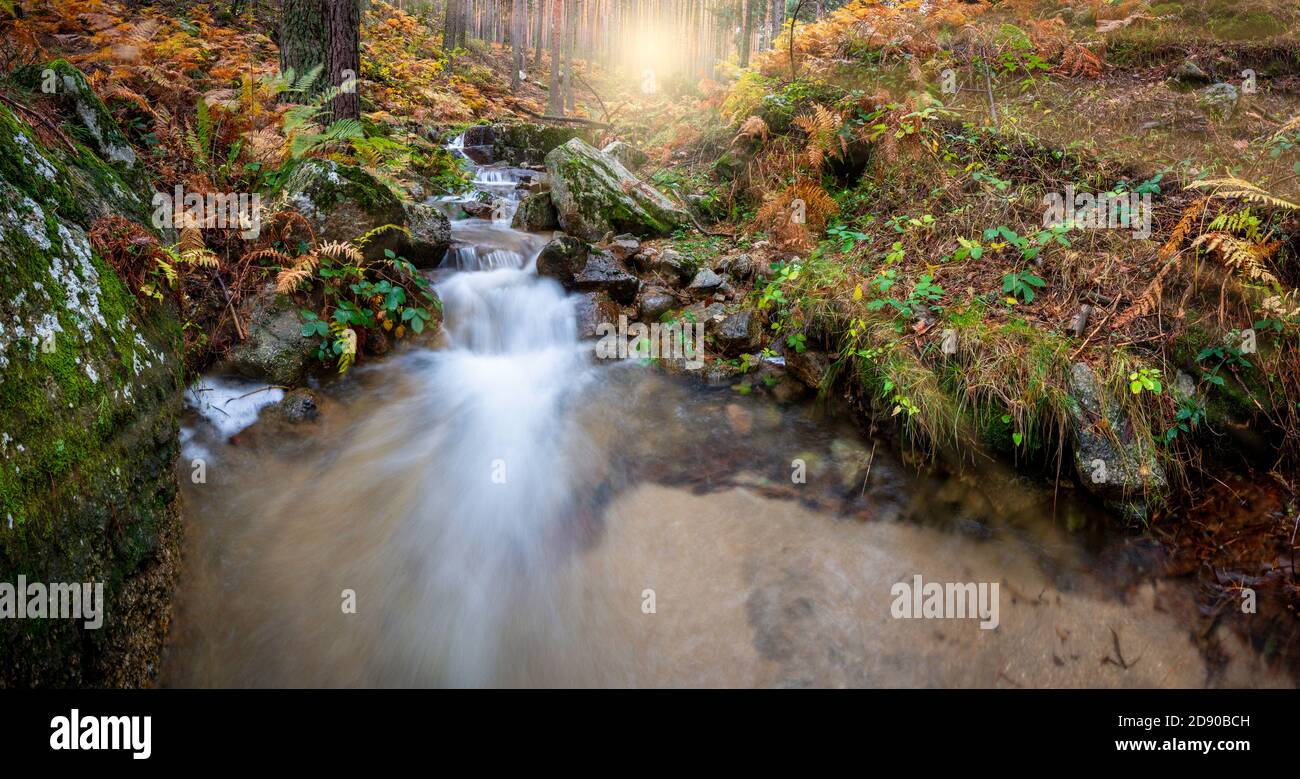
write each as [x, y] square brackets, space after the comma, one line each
[499, 507]
[501, 442]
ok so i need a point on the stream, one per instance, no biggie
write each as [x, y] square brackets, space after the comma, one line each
[507, 510]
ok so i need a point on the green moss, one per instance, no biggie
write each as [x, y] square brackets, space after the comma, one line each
[327, 183]
[89, 426]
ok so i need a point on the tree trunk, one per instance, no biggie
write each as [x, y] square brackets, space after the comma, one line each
[746, 24]
[324, 34]
[554, 100]
[518, 25]
[302, 28]
[539, 26]
[572, 12]
[777, 19]
[345, 56]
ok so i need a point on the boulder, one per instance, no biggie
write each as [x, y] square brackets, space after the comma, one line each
[671, 265]
[630, 157]
[478, 144]
[297, 407]
[739, 267]
[522, 144]
[653, 303]
[430, 236]
[563, 259]
[536, 212]
[84, 185]
[809, 366]
[706, 282]
[1219, 100]
[344, 202]
[623, 247]
[275, 350]
[90, 401]
[594, 309]
[606, 274]
[1190, 73]
[86, 113]
[739, 331]
[594, 194]
[1111, 461]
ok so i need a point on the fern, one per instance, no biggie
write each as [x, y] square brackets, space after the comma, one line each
[1232, 187]
[342, 131]
[822, 127]
[1247, 258]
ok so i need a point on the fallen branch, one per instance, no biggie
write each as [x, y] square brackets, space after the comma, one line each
[571, 119]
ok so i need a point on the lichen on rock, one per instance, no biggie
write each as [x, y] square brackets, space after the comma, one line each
[89, 396]
[594, 194]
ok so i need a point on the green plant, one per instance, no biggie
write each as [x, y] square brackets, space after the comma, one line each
[1020, 285]
[847, 238]
[1189, 415]
[924, 295]
[774, 289]
[354, 295]
[1145, 379]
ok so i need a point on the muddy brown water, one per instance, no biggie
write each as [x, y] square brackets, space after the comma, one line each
[505, 510]
[664, 485]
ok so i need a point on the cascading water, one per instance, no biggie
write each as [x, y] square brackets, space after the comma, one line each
[501, 511]
[502, 447]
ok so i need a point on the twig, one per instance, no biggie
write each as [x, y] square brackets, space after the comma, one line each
[603, 109]
[254, 392]
[43, 119]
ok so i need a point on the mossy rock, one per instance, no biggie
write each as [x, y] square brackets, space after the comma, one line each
[84, 115]
[1112, 462]
[536, 212]
[275, 350]
[594, 194]
[72, 182]
[342, 202]
[525, 143]
[90, 390]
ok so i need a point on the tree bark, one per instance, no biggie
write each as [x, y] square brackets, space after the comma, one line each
[571, 13]
[302, 28]
[518, 26]
[324, 34]
[554, 100]
[538, 27]
[746, 24]
[344, 56]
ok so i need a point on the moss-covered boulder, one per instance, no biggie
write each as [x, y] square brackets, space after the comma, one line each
[341, 202]
[344, 202]
[84, 114]
[536, 212]
[526, 143]
[594, 194]
[69, 176]
[90, 390]
[1112, 461]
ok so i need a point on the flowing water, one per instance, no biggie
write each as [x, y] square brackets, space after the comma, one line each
[505, 510]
